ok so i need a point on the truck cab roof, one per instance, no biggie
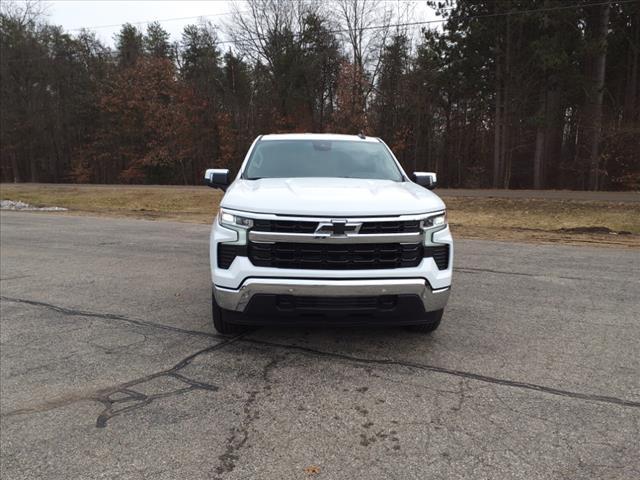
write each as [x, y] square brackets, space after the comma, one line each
[317, 136]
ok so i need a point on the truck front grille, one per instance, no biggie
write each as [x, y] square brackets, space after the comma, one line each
[303, 226]
[335, 257]
[284, 226]
[406, 226]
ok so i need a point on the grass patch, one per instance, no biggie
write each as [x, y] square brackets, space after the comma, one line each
[520, 219]
[547, 215]
[194, 204]
[558, 220]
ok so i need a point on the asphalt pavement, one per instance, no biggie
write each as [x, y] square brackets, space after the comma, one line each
[110, 367]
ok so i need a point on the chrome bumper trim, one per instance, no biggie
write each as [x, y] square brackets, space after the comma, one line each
[237, 300]
[270, 237]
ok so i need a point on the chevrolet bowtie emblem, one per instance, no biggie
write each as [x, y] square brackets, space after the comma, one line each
[337, 228]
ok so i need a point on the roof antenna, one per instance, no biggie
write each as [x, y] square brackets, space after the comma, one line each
[361, 135]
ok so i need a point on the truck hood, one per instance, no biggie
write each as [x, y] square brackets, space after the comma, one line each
[331, 197]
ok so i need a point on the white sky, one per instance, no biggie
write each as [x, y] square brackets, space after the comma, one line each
[106, 16]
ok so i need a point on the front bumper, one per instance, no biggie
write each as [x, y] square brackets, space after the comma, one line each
[242, 270]
[238, 299]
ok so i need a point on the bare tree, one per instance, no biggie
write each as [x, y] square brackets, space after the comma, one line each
[366, 25]
[24, 12]
[254, 22]
[600, 20]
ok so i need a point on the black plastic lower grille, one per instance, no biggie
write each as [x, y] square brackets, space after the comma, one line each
[335, 257]
[284, 226]
[406, 226]
[384, 302]
[440, 255]
[227, 253]
[271, 309]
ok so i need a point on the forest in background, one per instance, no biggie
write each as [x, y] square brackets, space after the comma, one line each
[501, 93]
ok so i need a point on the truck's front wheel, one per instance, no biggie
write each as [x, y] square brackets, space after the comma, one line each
[219, 319]
[432, 322]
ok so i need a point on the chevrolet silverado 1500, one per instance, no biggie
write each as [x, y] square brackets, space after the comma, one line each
[328, 229]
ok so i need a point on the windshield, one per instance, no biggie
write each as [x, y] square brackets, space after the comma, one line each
[321, 158]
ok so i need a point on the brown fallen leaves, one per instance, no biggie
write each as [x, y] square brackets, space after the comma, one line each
[312, 470]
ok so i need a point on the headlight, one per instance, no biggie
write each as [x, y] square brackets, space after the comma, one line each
[435, 220]
[232, 220]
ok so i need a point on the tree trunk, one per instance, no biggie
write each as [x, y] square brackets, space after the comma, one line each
[541, 131]
[431, 166]
[417, 135]
[597, 94]
[542, 122]
[631, 108]
[498, 122]
[33, 165]
[15, 168]
[506, 111]
[553, 139]
[497, 138]
[440, 159]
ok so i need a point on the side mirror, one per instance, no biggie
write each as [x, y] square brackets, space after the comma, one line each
[428, 180]
[217, 178]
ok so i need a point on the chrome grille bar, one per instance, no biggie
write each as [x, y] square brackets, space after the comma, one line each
[272, 237]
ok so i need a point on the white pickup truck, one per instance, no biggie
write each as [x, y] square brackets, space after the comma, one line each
[328, 229]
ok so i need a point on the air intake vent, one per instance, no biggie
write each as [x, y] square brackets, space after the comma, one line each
[385, 302]
[440, 255]
[227, 254]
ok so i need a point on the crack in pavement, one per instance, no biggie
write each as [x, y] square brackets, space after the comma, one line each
[504, 272]
[109, 316]
[238, 435]
[143, 400]
[432, 368]
[6, 279]
[453, 372]
[112, 397]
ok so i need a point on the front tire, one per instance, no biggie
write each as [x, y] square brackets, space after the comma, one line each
[220, 323]
[432, 322]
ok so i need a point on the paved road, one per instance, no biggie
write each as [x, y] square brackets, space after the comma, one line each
[110, 368]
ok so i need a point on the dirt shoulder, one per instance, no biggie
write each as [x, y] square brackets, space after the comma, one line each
[572, 195]
[609, 219]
